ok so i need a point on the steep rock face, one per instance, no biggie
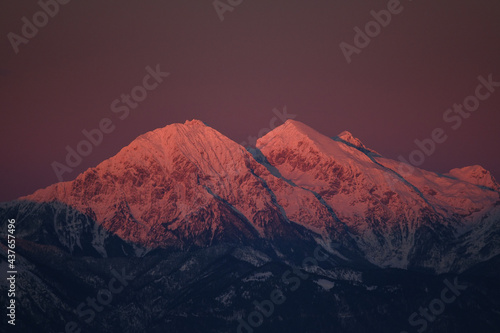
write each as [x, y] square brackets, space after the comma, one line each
[156, 190]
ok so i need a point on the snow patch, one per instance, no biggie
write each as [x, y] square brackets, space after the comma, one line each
[325, 284]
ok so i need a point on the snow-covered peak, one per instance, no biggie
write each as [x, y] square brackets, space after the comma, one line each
[203, 147]
[293, 128]
[299, 137]
[188, 128]
[475, 174]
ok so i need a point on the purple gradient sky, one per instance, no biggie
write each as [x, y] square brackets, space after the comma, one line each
[231, 74]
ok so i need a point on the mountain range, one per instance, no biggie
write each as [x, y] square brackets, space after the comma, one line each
[207, 226]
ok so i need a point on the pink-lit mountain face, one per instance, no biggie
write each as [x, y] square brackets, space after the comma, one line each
[188, 185]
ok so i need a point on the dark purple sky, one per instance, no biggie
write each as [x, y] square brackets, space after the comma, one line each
[231, 74]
